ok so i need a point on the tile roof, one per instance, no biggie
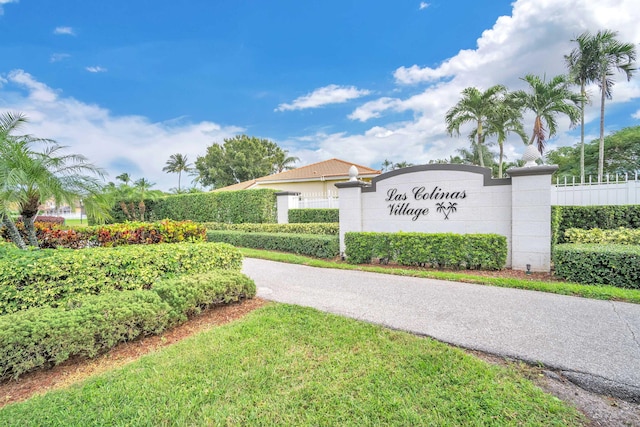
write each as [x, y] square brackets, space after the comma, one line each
[328, 169]
[332, 168]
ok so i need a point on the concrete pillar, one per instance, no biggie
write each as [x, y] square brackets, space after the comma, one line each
[286, 200]
[350, 196]
[531, 217]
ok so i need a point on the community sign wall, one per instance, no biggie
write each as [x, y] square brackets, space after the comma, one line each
[458, 199]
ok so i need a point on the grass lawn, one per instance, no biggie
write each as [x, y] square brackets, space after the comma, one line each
[557, 287]
[73, 222]
[288, 365]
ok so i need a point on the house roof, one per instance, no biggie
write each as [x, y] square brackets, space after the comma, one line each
[332, 169]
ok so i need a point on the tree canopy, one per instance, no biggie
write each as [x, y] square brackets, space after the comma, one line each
[623, 148]
[238, 159]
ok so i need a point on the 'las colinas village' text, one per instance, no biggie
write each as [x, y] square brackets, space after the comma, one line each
[401, 206]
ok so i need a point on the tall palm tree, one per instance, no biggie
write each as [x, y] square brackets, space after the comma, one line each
[282, 161]
[475, 106]
[31, 177]
[505, 119]
[124, 177]
[177, 163]
[547, 100]
[582, 71]
[609, 55]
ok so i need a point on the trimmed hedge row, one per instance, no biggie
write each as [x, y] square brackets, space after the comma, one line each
[619, 236]
[49, 277]
[321, 246]
[614, 265]
[303, 216]
[332, 228]
[47, 336]
[587, 217]
[233, 207]
[471, 251]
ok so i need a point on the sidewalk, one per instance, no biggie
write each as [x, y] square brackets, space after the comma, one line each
[595, 344]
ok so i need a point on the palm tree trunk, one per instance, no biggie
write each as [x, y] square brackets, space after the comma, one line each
[582, 91]
[501, 144]
[31, 230]
[601, 146]
[14, 234]
[480, 143]
[179, 176]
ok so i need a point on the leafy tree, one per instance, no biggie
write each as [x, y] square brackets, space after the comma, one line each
[177, 163]
[609, 55]
[31, 176]
[624, 155]
[547, 100]
[474, 107]
[241, 158]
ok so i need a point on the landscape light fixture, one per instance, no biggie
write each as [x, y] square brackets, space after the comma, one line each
[528, 268]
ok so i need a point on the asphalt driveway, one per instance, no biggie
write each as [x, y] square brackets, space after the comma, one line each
[595, 344]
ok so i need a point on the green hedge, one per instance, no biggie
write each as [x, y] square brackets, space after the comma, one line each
[188, 295]
[49, 277]
[329, 228]
[603, 217]
[447, 250]
[303, 216]
[614, 265]
[233, 207]
[46, 336]
[321, 246]
[619, 236]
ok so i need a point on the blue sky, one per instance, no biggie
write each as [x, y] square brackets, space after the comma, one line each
[128, 83]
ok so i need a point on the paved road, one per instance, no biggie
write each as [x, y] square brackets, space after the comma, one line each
[595, 343]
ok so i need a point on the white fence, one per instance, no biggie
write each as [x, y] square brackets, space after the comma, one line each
[618, 191]
[319, 200]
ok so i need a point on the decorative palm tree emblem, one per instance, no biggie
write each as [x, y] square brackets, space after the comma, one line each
[446, 210]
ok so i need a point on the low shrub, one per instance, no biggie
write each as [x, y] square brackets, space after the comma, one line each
[603, 217]
[51, 236]
[597, 264]
[447, 250]
[313, 215]
[329, 228]
[321, 246]
[47, 336]
[619, 236]
[49, 277]
[87, 326]
[189, 295]
[165, 231]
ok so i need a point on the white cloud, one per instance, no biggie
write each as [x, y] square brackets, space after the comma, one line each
[424, 5]
[64, 31]
[96, 69]
[3, 2]
[533, 39]
[636, 115]
[57, 57]
[332, 94]
[117, 143]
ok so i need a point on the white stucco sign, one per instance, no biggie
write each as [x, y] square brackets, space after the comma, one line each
[458, 199]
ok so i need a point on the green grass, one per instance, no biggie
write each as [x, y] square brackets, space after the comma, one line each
[74, 222]
[564, 288]
[288, 365]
